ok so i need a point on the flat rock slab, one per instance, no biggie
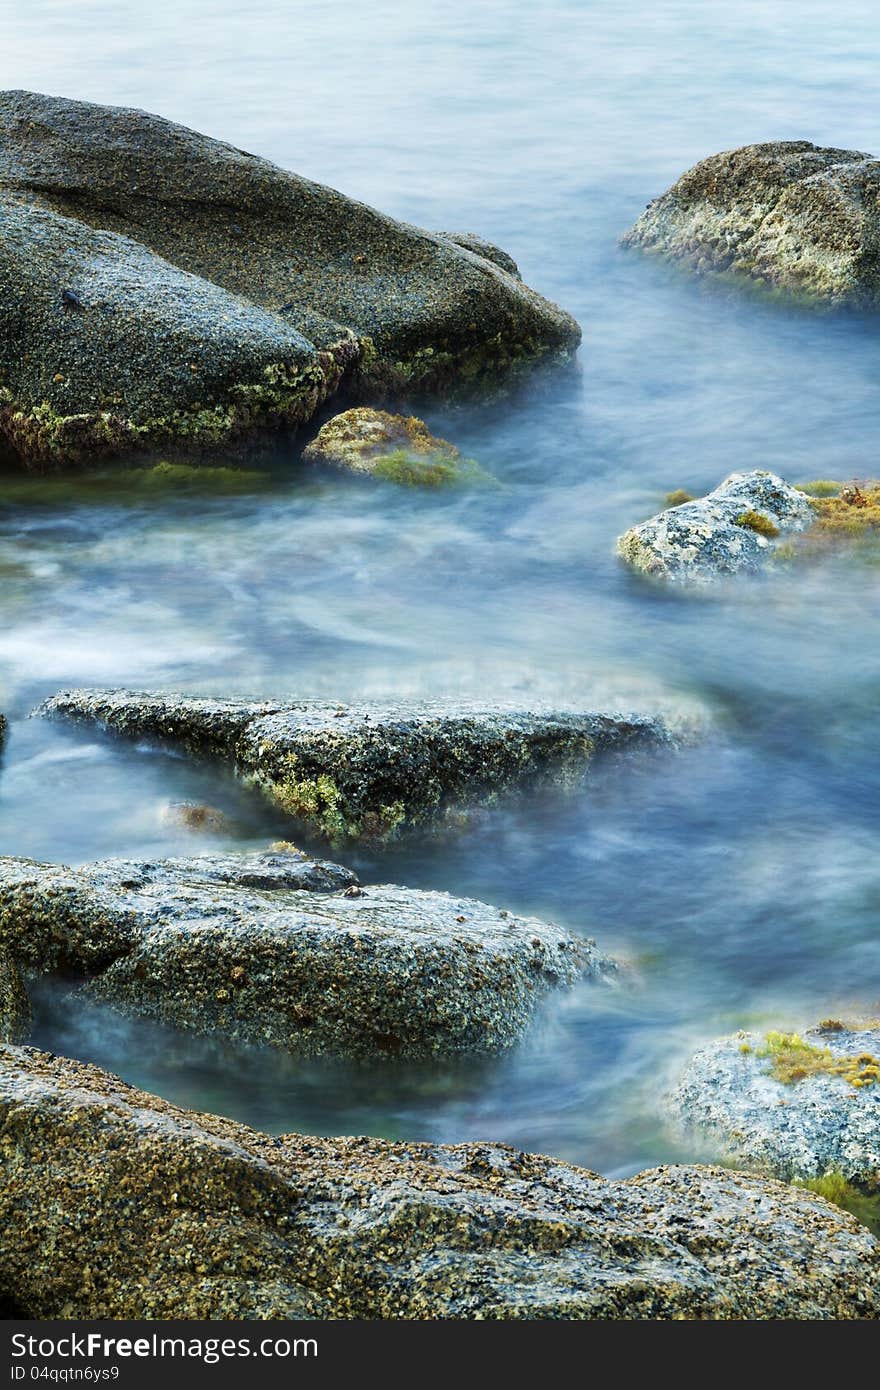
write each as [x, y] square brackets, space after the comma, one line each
[787, 215]
[730, 531]
[370, 771]
[238, 949]
[801, 1129]
[162, 289]
[232, 1223]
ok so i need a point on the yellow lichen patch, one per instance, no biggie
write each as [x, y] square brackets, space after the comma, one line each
[757, 521]
[676, 498]
[865, 1207]
[793, 1060]
[853, 513]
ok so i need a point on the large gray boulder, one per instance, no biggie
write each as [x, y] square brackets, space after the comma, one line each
[786, 216]
[115, 1204]
[372, 770]
[730, 531]
[793, 1106]
[159, 288]
[282, 950]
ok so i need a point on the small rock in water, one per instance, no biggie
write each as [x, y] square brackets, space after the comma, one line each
[397, 448]
[191, 815]
[794, 1106]
[787, 216]
[729, 531]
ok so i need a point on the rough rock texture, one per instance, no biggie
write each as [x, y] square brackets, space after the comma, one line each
[158, 288]
[3, 730]
[729, 531]
[370, 770]
[487, 249]
[800, 1129]
[116, 1204]
[270, 949]
[15, 1009]
[785, 215]
[398, 448]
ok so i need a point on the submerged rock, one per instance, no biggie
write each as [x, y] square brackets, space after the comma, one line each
[397, 448]
[729, 531]
[796, 1107]
[196, 817]
[786, 215]
[373, 770]
[231, 1223]
[159, 288]
[274, 949]
[15, 1009]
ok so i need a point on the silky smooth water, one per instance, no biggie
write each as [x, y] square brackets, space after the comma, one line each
[740, 879]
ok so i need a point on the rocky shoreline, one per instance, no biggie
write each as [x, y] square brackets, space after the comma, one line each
[163, 291]
[191, 1216]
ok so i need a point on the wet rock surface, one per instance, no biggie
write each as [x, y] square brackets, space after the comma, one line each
[292, 952]
[730, 531]
[15, 1009]
[785, 215]
[815, 1122]
[396, 448]
[373, 770]
[159, 288]
[117, 1204]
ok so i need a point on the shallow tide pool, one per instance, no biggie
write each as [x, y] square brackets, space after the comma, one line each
[738, 879]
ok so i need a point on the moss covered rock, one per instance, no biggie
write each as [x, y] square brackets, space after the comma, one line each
[288, 951]
[15, 1009]
[797, 1106]
[731, 530]
[115, 1204]
[397, 448]
[371, 771]
[161, 289]
[786, 216]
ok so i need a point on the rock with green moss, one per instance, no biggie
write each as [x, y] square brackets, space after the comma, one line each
[796, 1106]
[730, 531]
[15, 1010]
[274, 949]
[232, 1223]
[159, 289]
[785, 216]
[372, 771]
[397, 448]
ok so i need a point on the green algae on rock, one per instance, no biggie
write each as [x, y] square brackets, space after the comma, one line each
[288, 951]
[116, 1204]
[372, 771]
[397, 448]
[159, 289]
[15, 1009]
[785, 216]
[797, 1106]
[729, 531]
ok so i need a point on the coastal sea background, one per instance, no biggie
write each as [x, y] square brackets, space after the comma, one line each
[740, 878]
